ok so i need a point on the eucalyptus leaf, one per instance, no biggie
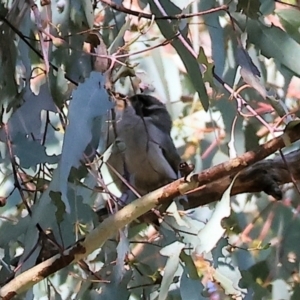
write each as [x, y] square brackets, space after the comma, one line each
[273, 43]
[213, 230]
[190, 288]
[31, 153]
[280, 290]
[90, 102]
[267, 7]
[290, 20]
[173, 252]
[189, 61]
[249, 8]
[27, 118]
[249, 71]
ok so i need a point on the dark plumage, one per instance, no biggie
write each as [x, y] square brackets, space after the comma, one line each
[148, 152]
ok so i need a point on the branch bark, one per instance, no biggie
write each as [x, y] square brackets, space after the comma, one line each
[140, 14]
[256, 176]
[264, 176]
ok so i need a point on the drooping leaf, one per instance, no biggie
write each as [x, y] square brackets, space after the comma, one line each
[290, 20]
[116, 290]
[172, 210]
[8, 57]
[59, 87]
[208, 73]
[90, 102]
[280, 290]
[273, 42]
[217, 35]
[27, 118]
[61, 208]
[245, 61]
[97, 46]
[296, 293]
[228, 277]
[122, 251]
[249, 71]
[267, 7]
[172, 251]
[213, 230]
[190, 267]
[119, 40]
[249, 8]
[189, 61]
[31, 153]
[256, 290]
[190, 288]
[81, 13]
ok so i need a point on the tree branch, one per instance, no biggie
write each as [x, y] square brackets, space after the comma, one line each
[262, 176]
[139, 14]
[81, 249]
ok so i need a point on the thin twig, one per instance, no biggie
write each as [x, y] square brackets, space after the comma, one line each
[139, 14]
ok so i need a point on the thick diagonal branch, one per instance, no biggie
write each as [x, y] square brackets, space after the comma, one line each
[255, 176]
[264, 176]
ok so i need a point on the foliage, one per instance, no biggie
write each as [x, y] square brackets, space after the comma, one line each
[229, 78]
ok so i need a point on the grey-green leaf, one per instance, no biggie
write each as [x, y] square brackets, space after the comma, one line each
[273, 43]
[290, 20]
[189, 61]
[90, 102]
[31, 152]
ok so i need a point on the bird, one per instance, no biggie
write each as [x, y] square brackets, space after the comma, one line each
[144, 151]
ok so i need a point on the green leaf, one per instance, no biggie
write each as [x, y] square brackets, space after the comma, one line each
[213, 230]
[291, 125]
[249, 71]
[31, 153]
[190, 288]
[249, 8]
[90, 102]
[190, 62]
[208, 73]
[27, 118]
[8, 58]
[119, 40]
[61, 208]
[267, 7]
[290, 20]
[273, 43]
[172, 251]
[11, 231]
[122, 251]
[296, 294]
[280, 290]
[81, 13]
[228, 277]
[115, 289]
[58, 86]
[190, 265]
[248, 281]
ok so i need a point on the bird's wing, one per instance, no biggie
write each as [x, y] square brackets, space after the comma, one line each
[166, 144]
